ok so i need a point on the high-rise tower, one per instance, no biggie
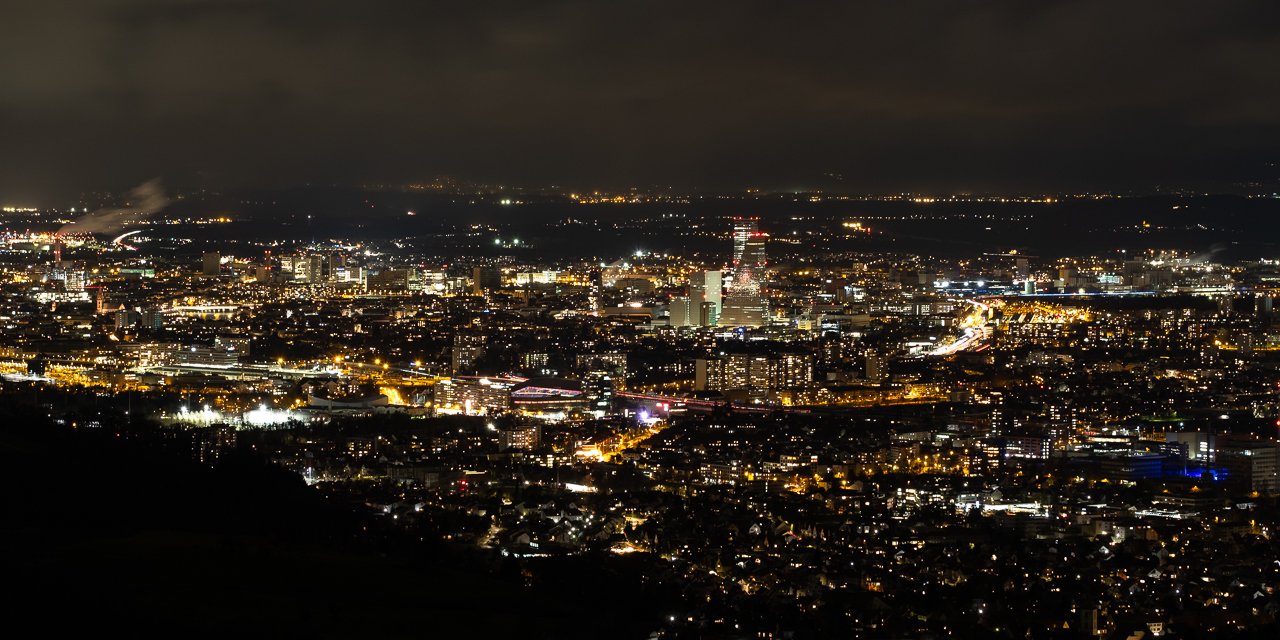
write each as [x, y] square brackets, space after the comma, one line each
[748, 273]
[743, 229]
[748, 257]
[744, 306]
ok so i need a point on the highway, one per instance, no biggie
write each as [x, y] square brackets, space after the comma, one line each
[969, 329]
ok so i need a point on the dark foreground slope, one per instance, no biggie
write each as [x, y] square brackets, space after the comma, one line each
[116, 529]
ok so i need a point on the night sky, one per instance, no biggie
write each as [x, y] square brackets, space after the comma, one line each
[865, 97]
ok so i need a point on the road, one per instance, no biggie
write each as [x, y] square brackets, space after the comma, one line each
[970, 330]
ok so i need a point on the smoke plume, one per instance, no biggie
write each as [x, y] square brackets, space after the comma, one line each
[1206, 256]
[146, 200]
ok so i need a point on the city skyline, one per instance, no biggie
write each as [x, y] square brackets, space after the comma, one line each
[857, 427]
[650, 320]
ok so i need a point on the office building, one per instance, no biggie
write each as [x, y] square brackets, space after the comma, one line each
[599, 386]
[237, 343]
[1250, 465]
[126, 319]
[682, 313]
[212, 263]
[153, 319]
[467, 352]
[316, 269]
[743, 311]
[485, 279]
[709, 314]
[753, 371]
[615, 361]
[596, 278]
[744, 306]
[196, 355]
[748, 258]
[708, 374]
[434, 279]
[642, 286]
[743, 230]
[472, 396]
[877, 368]
[749, 272]
[790, 370]
[77, 280]
[335, 268]
[743, 371]
[534, 360]
[389, 280]
[523, 437]
[1201, 446]
[308, 269]
[706, 286]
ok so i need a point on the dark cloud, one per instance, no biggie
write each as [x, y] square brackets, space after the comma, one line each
[932, 96]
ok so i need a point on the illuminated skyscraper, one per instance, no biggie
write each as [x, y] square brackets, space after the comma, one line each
[748, 272]
[748, 257]
[682, 312]
[743, 230]
[744, 306]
